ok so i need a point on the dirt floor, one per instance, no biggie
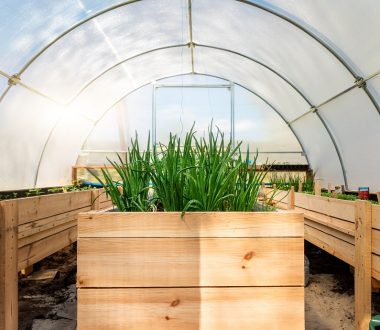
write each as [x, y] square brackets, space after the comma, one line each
[51, 304]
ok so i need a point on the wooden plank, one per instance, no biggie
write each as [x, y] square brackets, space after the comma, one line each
[193, 224]
[42, 275]
[178, 262]
[336, 208]
[103, 196]
[376, 266]
[38, 226]
[376, 216]
[105, 205]
[330, 244]
[331, 231]
[30, 254]
[8, 265]
[343, 226]
[363, 265]
[27, 271]
[35, 208]
[291, 199]
[95, 201]
[46, 233]
[317, 188]
[191, 308]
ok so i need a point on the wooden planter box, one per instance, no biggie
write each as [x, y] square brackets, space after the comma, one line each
[33, 228]
[205, 271]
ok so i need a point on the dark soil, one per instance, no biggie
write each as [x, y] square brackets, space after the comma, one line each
[322, 262]
[37, 299]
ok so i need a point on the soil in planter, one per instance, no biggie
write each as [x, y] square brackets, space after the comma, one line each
[51, 304]
[329, 296]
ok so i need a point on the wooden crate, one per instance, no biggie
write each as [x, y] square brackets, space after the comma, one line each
[31, 229]
[205, 271]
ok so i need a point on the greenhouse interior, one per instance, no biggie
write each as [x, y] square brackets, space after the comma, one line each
[190, 164]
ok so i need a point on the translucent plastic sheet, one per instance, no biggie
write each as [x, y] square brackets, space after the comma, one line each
[113, 85]
[61, 151]
[25, 122]
[28, 25]
[177, 109]
[273, 41]
[104, 41]
[115, 130]
[373, 86]
[339, 27]
[3, 84]
[350, 118]
[322, 156]
[253, 76]
[260, 128]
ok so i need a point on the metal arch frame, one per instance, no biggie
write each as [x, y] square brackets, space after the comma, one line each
[246, 2]
[253, 4]
[64, 33]
[207, 75]
[319, 41]
[287, 81]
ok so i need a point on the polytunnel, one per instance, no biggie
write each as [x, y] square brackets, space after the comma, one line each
[310, 68]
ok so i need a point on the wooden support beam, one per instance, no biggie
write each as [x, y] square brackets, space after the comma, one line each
[291, 199]
[300, 186]
[317, 188]
[27, 270]
[95, 199]
[8, 265]
[378, 196]
[363, 264]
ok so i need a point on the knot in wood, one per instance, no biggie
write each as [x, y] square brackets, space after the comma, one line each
[249, 255]
[175, 303]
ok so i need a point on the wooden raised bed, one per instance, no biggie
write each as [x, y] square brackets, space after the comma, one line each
[31, 229]
[205, 271]
[349, 230]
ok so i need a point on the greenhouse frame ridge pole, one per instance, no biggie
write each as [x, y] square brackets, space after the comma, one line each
[324, 44]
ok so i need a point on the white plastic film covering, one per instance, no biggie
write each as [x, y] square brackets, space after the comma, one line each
[25, 122]
[350, 117]
[261, 129]
[178, 109]
[114, 132]
[351, 27]
[62, 150]
[104, 41]
[253, 76]
[272, 41]
[119, 81]
[28, 25]
[3, 84]
[373, 86]
[322, 156]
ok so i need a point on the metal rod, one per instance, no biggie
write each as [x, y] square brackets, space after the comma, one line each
[192, 86]
[154, 114]
[318, 40]
[232, 95]
[191, 44]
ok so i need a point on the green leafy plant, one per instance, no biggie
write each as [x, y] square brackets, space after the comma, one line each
[131, 193]
[204, 174]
